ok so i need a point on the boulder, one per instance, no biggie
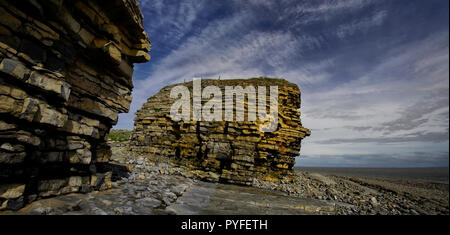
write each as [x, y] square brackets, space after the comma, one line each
[225, 150]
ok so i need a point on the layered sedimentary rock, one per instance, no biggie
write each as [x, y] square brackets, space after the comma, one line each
[65, 74]
[223, 151]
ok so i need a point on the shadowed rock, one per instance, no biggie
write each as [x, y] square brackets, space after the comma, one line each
[65, 74]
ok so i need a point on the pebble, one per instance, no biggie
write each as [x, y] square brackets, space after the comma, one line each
[373, 200]
[150, 188]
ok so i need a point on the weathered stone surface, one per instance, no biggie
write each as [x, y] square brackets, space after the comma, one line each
[65, 74]
[11, 191]
[142, 187]
[223, 151]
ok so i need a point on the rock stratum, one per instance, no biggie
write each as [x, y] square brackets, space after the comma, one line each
[235, 152]
[65, 73]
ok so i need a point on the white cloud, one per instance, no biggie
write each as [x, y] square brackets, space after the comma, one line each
[369, 107]
[394, 107]
[346, 30]
[337, 5]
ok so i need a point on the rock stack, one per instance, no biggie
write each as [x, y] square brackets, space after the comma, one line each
[65, 74]
[223, 151]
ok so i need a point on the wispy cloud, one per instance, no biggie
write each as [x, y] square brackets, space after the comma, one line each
[346, 30]
[392, 104]
[372, 76]
[329, 6]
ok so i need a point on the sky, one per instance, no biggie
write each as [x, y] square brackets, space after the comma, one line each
[374, 74]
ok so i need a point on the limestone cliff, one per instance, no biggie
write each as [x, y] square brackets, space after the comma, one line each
[223, 151]
[65, 73]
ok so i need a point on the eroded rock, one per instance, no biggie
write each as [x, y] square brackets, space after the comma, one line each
[223, 151]
[65, 74]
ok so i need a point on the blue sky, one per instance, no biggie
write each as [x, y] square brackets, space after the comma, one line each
[374, 74]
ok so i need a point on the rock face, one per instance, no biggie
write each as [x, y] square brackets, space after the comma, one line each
[223, 151]
[65, 74]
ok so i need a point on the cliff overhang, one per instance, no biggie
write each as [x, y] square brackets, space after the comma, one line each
[65, 73]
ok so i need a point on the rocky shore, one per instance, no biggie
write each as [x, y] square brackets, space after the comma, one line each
[143, 187]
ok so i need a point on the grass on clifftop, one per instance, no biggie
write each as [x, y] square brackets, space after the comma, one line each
[259, 81]
[263, 79]
[119, 135]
